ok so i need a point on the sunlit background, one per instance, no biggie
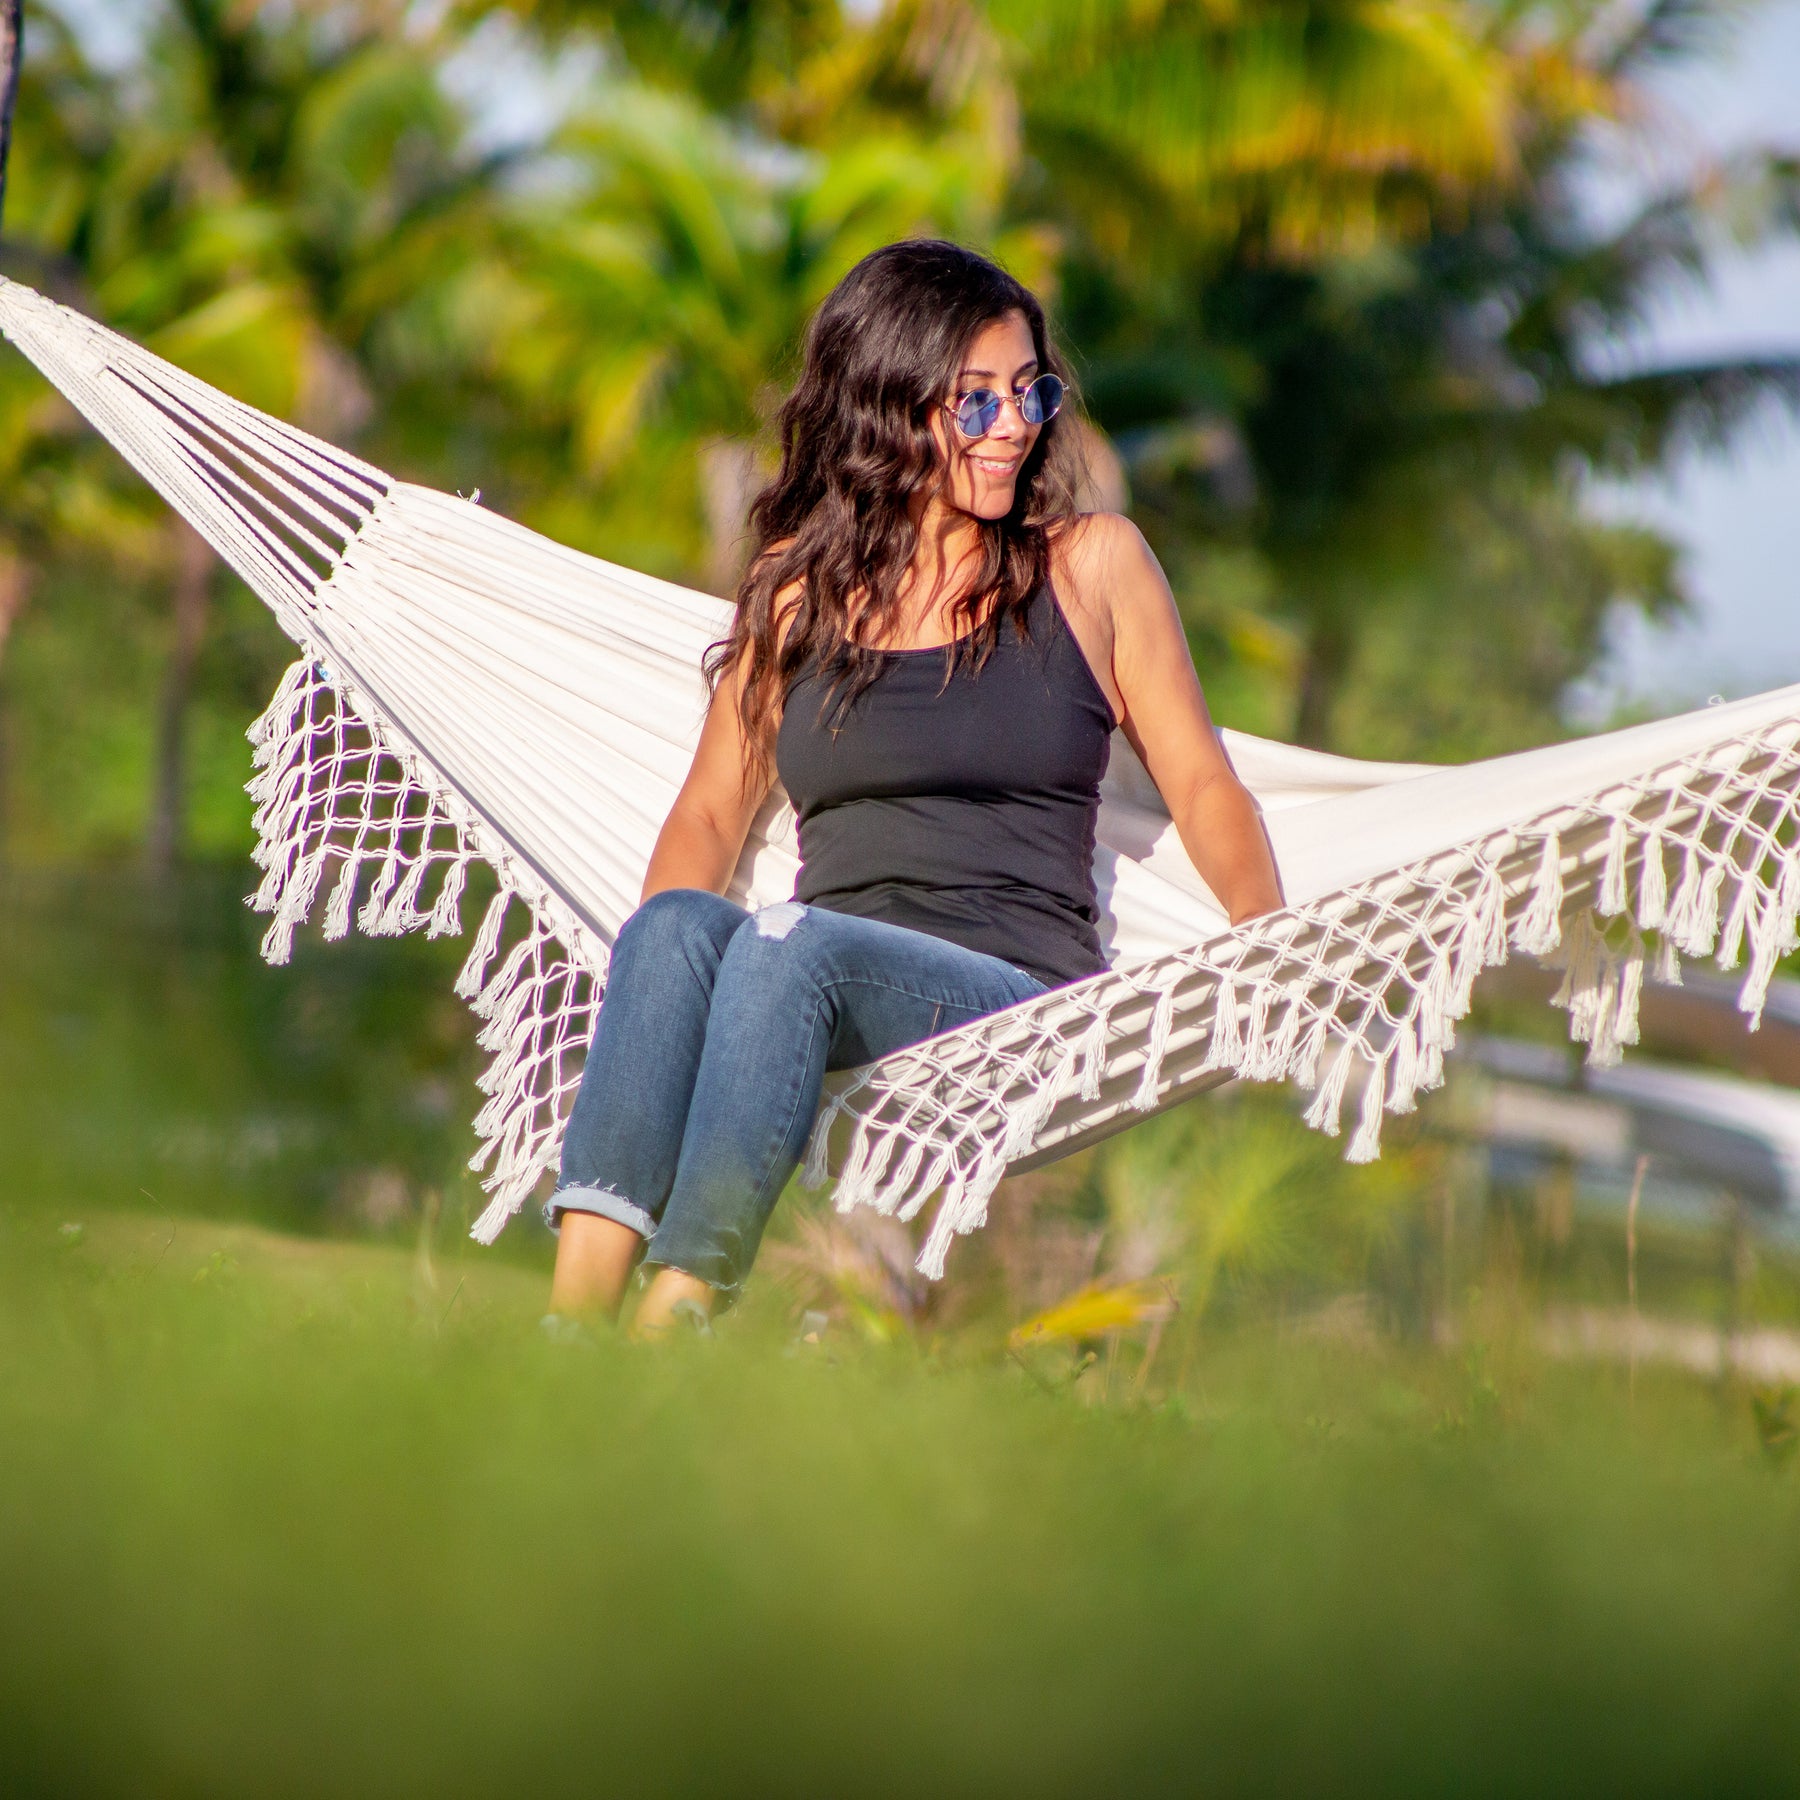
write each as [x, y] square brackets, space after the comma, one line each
[1448, 353]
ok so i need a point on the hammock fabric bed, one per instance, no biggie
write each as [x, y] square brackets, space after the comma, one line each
[467, 690]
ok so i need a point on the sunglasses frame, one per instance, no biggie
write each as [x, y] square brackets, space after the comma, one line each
[991, 396]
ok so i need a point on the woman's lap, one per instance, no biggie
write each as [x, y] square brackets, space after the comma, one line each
[717, 1029]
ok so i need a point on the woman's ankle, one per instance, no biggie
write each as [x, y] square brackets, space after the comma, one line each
[595, 1258]
[675, 1298]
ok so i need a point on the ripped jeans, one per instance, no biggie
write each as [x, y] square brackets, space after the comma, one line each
[704, 1075]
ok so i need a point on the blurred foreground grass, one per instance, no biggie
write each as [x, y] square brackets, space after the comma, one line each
[283, 1516]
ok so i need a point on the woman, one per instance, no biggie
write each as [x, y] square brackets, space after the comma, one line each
[931, 650]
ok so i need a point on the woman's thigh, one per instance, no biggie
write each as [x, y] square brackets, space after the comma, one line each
[877, 987]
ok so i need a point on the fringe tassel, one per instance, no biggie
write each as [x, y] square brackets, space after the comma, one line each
[446, 915]
[343, 897]
[1284, 1039]
[1438, 995]
[402, 912]
[1666, 970]
[1023, 1120]
[1162, 1022]
[901, 1183]
[1366, 1145]
[1093, 1055]
[934, 1178]
[487, 939]
[1224, 1051]
[1653, 887]
[936, 1252]
[1706, 912]
[1261, 1060]
[1631, 988]
[964, 1209]
[1328, 1103]
[1731, 938]
[372, 916]
[1584, 967]
[1694, 914]
[1306, 1063]
[856, 1182]
[1773, 938]
[277, 944]
[1540, 931]
[1612, 875]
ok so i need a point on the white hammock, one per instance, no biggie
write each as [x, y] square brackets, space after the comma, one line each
[468, 689]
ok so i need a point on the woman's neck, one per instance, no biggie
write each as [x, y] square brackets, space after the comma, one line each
[947, 539]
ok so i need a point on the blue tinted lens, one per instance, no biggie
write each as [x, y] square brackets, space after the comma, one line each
[1041, 400]
[976, 412]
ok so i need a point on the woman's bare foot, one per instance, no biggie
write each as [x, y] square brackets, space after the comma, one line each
[674, 1296]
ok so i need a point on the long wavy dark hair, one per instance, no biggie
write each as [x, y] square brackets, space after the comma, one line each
[882, 353]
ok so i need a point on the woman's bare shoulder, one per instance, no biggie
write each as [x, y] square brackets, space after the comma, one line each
[1084, 539]
[1093, 554]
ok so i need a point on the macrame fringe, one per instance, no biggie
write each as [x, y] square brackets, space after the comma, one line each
[335, 799]
[340, 812]
[1351, 1012]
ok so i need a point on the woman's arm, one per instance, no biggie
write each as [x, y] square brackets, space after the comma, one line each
[703, 836]
[1165, 716]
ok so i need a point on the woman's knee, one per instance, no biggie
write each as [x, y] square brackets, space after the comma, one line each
[776, 958]
[692, 923]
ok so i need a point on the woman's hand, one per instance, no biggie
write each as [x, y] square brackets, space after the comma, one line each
[1124, 605]
[703, 836]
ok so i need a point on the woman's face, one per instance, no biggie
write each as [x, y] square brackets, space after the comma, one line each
[980, 474]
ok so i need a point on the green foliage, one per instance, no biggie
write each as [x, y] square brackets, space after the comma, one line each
[1231, 1198]
[1492, 605]
[146, 1051]
[1401, 428]
[1324, 265]
[82, 668]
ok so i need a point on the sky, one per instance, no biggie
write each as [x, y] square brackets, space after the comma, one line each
[1737, 515]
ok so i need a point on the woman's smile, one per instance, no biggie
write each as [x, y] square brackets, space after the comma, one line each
[997, 468]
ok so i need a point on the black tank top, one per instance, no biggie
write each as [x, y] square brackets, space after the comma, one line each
[963, 809]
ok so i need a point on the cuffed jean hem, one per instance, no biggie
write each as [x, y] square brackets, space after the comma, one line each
[603, 1203]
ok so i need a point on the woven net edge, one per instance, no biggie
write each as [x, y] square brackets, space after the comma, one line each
[347, 809]
[1355, 995]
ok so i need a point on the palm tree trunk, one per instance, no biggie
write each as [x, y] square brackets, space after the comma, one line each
[15, 586]
[728, 483]
[12, 53]
[188, 606]
[1322, 675]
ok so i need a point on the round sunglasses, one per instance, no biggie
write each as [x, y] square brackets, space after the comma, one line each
[976, 412]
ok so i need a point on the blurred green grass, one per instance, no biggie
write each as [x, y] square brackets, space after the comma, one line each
[284, 1516]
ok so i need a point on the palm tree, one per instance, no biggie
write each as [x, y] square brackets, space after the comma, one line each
[748, 155]
[12, 47]
[271, 199]
[649, 318]
[1406, 427]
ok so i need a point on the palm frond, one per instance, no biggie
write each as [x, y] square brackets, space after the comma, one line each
[1642, 420]
[1664, 31]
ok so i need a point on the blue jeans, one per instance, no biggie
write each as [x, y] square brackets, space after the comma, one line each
[704, 1076]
